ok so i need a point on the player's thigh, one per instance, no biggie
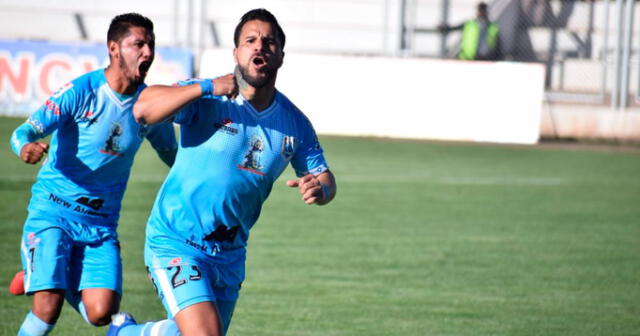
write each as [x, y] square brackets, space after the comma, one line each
[180, 284]
[46, 251]
[98, 265]
[200, 319]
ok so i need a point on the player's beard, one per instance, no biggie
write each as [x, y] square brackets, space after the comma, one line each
[255, 81]
[130, 73]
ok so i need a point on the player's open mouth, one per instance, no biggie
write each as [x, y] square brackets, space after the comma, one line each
[144, 67]
[259, 61]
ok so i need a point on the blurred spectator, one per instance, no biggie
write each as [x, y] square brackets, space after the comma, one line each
[480, 37]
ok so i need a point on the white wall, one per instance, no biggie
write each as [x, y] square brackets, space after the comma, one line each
[408, 98]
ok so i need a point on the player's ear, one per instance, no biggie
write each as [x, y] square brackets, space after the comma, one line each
[113, 48]
[235, 55]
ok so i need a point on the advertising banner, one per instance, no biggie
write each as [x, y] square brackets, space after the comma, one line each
[30, 71]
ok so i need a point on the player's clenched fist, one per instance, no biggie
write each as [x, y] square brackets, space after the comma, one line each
[310, 188]
[33, 152]
[225, 86]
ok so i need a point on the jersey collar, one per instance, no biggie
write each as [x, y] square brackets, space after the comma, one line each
[116, 97]
[262, 114]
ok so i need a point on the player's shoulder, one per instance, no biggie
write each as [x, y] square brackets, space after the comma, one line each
[286, 104]
[90, 80]
[82, 85]
[290, 108]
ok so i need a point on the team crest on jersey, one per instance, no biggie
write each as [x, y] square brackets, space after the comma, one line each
[112, 144]
[288, 147]
[251, 160]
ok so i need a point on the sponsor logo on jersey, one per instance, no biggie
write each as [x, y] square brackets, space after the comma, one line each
[112, 144]
[94, 204]
[223, 234]
[32, 240]
[84, 202]
[201, 247]
[36, 124]
[224, 126]
[62, 90]
[251, 160]
[52, 106]
[90, 117]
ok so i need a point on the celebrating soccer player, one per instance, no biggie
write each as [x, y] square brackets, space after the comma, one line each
[70, 248]
[233, 148]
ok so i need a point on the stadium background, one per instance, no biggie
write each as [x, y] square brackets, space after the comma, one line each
[425, 238]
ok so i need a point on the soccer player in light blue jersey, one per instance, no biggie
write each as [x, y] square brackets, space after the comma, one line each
[232, 149]
[70, 247]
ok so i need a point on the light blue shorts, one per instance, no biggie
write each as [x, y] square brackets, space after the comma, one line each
[183, 276]
[61, 254]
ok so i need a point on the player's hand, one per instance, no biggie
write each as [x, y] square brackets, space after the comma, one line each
[225, 86]
[310, 188]
[33, 152]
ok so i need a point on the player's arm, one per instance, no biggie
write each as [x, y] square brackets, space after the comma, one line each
[44, 121]
[316, 189]
[24, 142]
[161, 102]
[162, 137]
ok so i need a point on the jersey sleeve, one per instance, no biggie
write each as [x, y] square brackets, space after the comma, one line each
[188, 114]
[309, 158]
[24, 134]
[162, 136]
[55, 111]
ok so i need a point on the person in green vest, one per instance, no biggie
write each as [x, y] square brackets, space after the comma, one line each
[480, 37]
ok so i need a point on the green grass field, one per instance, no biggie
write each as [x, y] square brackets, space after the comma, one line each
[424, 238]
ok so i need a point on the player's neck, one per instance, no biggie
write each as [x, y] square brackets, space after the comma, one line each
[259, 98]
[118, 82]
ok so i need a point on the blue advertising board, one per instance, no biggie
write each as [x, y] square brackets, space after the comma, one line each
[30, 71]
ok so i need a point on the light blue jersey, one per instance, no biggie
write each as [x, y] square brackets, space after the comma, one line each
[94, 140]
[228, 159]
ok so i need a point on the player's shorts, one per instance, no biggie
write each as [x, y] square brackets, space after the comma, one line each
[183, 276]
[61, 254]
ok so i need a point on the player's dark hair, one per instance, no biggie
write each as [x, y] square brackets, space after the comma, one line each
[262, 15]
[119, 27]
